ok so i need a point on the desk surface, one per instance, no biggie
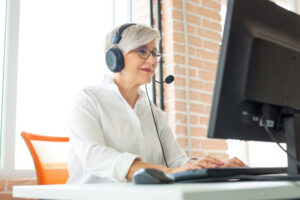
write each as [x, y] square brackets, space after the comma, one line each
[207, 191]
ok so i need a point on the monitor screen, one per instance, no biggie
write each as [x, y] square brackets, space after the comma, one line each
[258, 77]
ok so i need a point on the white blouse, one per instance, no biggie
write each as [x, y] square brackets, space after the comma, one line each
[107, 135]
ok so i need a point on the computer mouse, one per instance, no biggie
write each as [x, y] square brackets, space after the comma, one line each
[151, 176]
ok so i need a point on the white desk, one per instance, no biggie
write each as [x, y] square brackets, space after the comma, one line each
[199, 191]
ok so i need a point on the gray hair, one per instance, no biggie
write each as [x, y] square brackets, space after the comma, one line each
[132, 37]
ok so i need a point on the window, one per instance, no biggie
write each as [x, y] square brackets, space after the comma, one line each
[60, 51]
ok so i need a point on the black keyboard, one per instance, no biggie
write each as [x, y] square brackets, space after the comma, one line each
[221, 174]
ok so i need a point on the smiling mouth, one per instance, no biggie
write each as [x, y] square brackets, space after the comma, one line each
[147, 70]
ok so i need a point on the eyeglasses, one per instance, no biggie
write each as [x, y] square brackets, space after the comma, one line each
[145, 53]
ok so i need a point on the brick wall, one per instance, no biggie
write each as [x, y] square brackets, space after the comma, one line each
[6, 187]
[204, 36]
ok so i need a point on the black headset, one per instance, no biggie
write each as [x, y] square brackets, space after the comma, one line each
[114, 57]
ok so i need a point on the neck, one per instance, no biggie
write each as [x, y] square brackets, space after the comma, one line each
[128, 89]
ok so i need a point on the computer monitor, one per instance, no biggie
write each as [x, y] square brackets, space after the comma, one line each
[257, 85]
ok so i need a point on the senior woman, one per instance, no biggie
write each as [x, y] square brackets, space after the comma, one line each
[111, 126]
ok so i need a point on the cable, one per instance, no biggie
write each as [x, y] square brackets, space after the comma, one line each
[276, 141]
[156, 127]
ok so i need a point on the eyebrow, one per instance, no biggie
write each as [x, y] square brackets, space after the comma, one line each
[145, 46]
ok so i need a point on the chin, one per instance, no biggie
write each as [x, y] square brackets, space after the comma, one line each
[146, 81]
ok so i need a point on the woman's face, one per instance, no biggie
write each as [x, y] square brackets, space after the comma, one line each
[138, 69]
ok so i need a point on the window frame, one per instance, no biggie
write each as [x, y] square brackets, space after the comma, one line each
[10, 87]
[10, 80]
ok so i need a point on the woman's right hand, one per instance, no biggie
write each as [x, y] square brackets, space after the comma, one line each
[206, 162]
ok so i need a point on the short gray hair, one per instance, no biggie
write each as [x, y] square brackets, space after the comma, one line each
[132, 37]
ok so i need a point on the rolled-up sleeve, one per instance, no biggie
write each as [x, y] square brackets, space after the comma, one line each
[86, 137]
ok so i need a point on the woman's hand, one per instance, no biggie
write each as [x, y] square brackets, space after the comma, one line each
[206, 162]
[234, 162]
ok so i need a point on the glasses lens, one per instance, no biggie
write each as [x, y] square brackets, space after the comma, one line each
[158, 57]
[142, 52]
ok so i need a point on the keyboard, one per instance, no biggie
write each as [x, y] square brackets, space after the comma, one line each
[226, 174]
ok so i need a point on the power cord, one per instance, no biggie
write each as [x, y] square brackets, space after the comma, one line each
[281, 147]
[156, 127]
[265, 118]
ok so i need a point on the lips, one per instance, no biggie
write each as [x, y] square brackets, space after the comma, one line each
[147, 70]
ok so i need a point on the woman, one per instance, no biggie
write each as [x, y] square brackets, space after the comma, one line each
[112, 130]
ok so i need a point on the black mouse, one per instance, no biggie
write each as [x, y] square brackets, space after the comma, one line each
[151, 176]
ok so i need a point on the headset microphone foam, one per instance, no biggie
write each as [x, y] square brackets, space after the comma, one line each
[169, 79]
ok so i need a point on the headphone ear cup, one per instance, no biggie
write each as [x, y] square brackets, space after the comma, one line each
[114, 59]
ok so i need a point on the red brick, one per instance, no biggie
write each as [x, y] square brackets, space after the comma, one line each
[211, 25]
[179, 48]
[214, 145]
[6, 196]
[196, 143]
[196, 108]
[209, 87]
[211, 45]
[12, 182]
[221, 156]
[3, 184]
[177, 15]
[212, 4]
[191, 29]
[199, 154]
[195, 1]
[204, 121]
[207, 109]
[179, 59]
[195, 62]
[193, 19]
[208, 13]
[179, 82]
[195, 41]
[178, 37]
[194, 120]
[196, 84]
[181, 130]
[182, 142]
[210, 66]
[209, 34]
[194, 96]
[177, 26]
[206, 98]
[177, 118]
[198, 131]
[207, 76]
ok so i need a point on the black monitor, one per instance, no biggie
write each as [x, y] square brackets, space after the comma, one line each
[257, 88]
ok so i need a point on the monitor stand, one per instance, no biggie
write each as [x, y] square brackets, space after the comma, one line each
[292, 134]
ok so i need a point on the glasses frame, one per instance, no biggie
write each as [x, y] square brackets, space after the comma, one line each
[156, 55]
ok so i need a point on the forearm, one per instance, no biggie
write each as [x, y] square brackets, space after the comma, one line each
[138, 164]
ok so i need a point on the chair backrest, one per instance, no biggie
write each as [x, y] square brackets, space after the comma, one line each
[49, 155]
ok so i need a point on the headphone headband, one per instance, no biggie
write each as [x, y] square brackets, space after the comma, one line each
[118, 36]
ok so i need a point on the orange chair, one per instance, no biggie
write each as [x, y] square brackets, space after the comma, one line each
[49, 156]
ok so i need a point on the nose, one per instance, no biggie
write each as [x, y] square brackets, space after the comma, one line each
[151, 59]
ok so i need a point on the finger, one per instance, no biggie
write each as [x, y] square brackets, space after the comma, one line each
[238, 161]
[206, 164]
[213, 161]
[232, 163]
[192, 166]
